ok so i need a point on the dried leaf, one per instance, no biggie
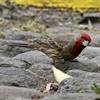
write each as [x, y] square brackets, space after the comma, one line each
[51, 86]
[59, 75]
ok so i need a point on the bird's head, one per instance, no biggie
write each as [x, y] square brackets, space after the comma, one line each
[74, 48]
[84, 39]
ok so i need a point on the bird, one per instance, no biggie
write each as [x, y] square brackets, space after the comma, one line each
[68, 47]
[64, 46]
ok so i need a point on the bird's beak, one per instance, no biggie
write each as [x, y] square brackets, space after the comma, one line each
[85, 43]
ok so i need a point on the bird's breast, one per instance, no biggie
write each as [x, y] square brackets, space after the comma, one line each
[76, 50]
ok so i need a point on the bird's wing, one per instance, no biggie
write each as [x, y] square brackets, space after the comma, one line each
[67, 47]
[64, 40]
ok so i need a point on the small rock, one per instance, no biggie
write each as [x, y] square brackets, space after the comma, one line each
[3, 58]
[16, 98]
[6, 14]
[91, 52]
[96, 60]
[95, 40]
[9, 35]
[13, 47]
[44, 70]
[81, 82]
[83, 64]
[33, 57]
[11, 51]
[73, 96]
[58, 30]
[16, 93]
[17, 50]
[14, 63]
[20, 77]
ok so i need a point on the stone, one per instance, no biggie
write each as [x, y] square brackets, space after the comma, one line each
[33, 57]
[44, 70]
[13, 47]
[95, 40]
[90, 52]
[14, 63]
[22, 35]
[96, 60]
[13, 51]
[16, 98]
[11, 76]
[81, 82]
[3, 58]
[85, 65]
[81, 64]
[16, 93]
[73, 96]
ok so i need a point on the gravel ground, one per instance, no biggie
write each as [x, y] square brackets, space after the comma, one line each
[25, 70]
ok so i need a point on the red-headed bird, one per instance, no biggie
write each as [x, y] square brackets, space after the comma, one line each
[69, 46]
[65, 47]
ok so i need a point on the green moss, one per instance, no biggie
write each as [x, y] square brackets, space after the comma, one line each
[96, 88]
